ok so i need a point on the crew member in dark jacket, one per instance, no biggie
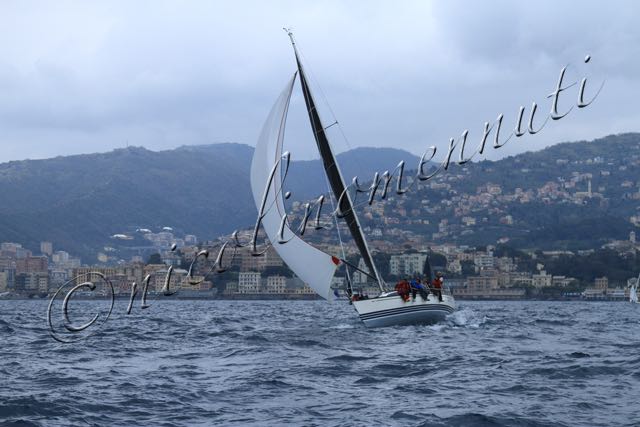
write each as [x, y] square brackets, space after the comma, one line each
[417, 286]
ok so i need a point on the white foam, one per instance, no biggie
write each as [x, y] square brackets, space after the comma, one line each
[343, 326]
[466, 317]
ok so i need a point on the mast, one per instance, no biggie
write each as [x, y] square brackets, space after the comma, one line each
[333, 172]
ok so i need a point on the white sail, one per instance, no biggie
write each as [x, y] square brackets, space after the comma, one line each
[633, 293]
[313, 266]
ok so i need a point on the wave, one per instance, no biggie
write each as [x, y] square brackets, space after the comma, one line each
[481, 420]
[6, 328]
[489, 364]
[466, 317]
[347, 358]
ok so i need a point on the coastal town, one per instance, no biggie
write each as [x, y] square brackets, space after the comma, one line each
[537, 225]
[491, 272]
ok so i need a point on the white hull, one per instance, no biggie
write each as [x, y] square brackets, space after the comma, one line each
[392, 310]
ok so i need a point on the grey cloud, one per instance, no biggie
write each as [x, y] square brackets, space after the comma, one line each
[81, 77]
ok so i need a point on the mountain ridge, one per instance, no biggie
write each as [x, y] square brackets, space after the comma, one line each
[78, 201]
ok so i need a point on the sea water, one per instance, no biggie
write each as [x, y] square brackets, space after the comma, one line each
[186, 363]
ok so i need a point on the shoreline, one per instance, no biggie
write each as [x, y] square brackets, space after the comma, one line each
[262, 297]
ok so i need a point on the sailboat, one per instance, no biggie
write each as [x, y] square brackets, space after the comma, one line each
[633, 291]
[313, 266]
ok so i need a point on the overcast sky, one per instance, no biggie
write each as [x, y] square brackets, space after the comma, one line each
[81, 77]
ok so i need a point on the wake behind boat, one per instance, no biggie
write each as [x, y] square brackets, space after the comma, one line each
[313, 266]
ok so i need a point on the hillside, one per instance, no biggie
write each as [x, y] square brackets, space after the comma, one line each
[537, 200]
[533, 200]
[78, 202]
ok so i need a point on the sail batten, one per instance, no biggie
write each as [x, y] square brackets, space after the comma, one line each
[334, 175]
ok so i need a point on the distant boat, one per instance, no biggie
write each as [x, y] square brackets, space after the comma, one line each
[121, 237]
[633, 291]
[313, 266]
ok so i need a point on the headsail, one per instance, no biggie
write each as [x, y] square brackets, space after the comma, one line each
[334, 175]
[313, 266]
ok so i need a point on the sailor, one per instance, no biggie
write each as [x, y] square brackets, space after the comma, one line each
[417, 286]
[437, 285]
[414, 288]
[404, 289]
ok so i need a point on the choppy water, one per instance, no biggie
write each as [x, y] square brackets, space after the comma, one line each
[313, 363]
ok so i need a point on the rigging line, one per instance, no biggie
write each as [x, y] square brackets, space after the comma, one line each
[344, 255]
[326, 101]
[325, 145]
[358, 269]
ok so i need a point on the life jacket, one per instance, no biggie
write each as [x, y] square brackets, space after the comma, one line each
[437, 283]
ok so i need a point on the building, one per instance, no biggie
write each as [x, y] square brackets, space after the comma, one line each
[602, 283]
[250, 262]
[60, 257]
[276, 284]
[593, 293]
[407, 264]
[563, 281]
[358, 277]
[305, 290]
[46, 248]
[617, 293]
[455, 266]
[249, 282]
[3, 282]
[483, 261]
[32, 264]
[338, 283]
[231, 288]
[34, 282]
[482, 283]
[13, 250]
[58, 278]
[92, 274]
[158, 279]
[487, 286]
[505, 264]
[541, 280]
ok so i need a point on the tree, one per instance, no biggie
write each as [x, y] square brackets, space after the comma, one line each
[502, 250]
[468, 268]
[437, 260]
[277, 271]
[155, 259]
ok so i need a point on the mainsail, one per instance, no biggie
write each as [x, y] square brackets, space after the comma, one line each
[334, 175]
[313, 266]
